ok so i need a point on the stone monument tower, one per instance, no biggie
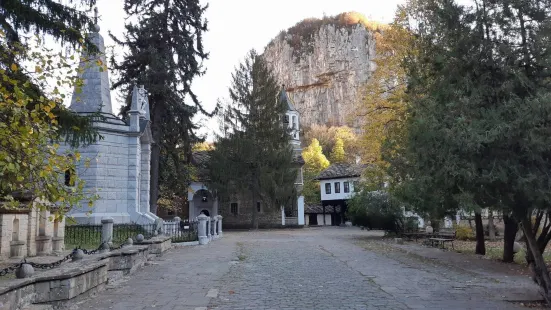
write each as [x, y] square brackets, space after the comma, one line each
[119, 164]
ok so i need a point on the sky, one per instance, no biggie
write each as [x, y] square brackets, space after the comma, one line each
[235, 27]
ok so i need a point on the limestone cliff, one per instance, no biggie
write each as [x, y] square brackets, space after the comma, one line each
[322, 63]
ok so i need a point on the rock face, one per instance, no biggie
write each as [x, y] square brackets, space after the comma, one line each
[323, 63]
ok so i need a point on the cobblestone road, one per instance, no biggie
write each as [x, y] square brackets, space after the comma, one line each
[316, 268]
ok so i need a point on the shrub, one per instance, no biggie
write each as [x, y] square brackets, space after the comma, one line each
[411, 223]
[376, 210]
[464, 233]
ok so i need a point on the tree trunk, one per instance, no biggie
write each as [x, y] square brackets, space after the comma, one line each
[480, 246]
[511, 228]
[538, 267]
[491, 228]
[155, 158]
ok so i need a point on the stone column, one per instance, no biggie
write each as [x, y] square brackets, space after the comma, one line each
[43, 240]
[58, 240]
[215, 226]
[202, 229]
[300, 211]
[283, 216]
[208, 228]
[107, 231]
[219, 225]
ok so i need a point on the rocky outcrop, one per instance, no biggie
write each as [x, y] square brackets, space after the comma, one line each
[323, 63]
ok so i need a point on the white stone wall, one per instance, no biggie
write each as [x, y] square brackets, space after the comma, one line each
[134, 174]
[108, 176]
[145, 168]
[342, 194]
[7, 233]
[327, 219]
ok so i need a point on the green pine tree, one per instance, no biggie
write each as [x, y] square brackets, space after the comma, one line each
[479, 114]
[165, 43]
[254, 156]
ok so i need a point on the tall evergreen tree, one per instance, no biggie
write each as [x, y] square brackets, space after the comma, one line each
[165, 44]
[479, 92]
[255, 155]
[61, 22]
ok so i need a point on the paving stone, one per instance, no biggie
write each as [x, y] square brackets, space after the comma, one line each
[292, 270]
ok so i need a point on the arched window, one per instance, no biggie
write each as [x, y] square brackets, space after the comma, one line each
[295, 125]
[70, 174]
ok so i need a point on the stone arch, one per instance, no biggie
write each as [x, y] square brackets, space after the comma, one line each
[203, 200]
[205, 212]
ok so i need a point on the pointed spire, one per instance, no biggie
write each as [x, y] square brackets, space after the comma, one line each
[285, 98]
[95, 93]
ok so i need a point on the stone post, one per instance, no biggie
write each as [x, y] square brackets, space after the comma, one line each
[219, 225]
[215, 230]
[202, 229]
[175, 228]
[208, 228]
[107, 231]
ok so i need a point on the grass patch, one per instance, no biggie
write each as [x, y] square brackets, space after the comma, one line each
[494, 250]
[241, 257]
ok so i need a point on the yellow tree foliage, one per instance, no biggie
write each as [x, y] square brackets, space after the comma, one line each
[32, 168]
[314, 163]
[337, 154]
[202, 146]
[327, 136]
[383, 110]
[313, 157]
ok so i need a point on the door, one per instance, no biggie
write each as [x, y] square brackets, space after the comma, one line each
[313, 219]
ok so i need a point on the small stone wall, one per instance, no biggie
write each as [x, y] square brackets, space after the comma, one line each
[158, 245]
[28, 232]
[62, 283]
[71, 279]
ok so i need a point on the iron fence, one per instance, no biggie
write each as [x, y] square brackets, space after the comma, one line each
[182, 231]
[89, 236]
[84, 236]
[121, 232]
[212, 227]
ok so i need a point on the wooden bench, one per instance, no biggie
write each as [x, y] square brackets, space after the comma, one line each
[441, 242]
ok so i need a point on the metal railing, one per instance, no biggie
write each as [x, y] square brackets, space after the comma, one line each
[182, 231]
[86, 236]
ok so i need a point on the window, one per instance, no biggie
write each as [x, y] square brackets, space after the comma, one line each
[70, 174]
[233, 208]
[258, 206]
[346, 187]
[286, 119]
[337, 187]
[328, 188]
[70, 177]
[295, 126]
